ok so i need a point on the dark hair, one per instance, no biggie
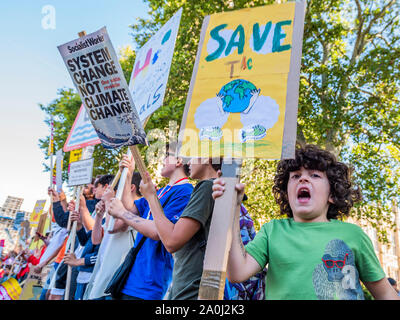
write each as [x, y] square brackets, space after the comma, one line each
[172, 147]
[392, 281]
[216, 163]
[136, 178]
[342, 192]
[103, 180]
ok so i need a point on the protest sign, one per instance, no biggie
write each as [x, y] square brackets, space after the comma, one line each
[100, 82]
[37, 211]
[243, 94]
[24, 233]
[75, 155]
[59, 166]
[82, 133]
[19, 217]
[242, 103]
[151, 70]
[149, 80]
[33, 285]
[80, 172]
[10, 290]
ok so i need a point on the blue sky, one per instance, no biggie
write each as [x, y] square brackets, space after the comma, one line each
[32, 71]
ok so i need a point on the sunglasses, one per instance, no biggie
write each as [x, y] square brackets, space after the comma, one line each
[339, 263]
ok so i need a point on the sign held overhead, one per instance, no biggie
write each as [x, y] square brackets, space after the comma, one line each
[94, 68]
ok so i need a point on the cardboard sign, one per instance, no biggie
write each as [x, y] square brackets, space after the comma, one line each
[75, 155]
[243, 94]
[100, 82]
[82, 133]
[80, 172]
[10, 290]
[152, 65]
[33, 286]
[37, 211]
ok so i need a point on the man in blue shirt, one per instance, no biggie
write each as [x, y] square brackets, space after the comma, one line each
[151, 273]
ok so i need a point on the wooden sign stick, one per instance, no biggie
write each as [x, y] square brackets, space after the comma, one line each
[72, 242]
[212, 282]
[72, 234]
[120, 190]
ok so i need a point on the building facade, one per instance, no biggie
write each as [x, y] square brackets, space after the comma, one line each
[8, 214]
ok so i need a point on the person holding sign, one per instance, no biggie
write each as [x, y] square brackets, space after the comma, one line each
[151, 273]
[187, 238]
[88, 258]
[324, 258]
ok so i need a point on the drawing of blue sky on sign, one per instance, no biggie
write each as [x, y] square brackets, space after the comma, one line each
[82, 133]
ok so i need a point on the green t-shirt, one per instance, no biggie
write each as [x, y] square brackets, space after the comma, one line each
[188, 261]
[318, 260]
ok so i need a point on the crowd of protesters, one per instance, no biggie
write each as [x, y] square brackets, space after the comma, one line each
[163, 233]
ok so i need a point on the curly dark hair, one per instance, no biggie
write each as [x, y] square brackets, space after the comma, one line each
[343, 193]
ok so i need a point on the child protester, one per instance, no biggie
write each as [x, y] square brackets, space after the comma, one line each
[310, 254]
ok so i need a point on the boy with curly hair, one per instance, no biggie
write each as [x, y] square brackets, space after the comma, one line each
[311, 254]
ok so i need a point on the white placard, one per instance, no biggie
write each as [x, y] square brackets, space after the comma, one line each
[98, 77]
[151, 70]
[80, 172]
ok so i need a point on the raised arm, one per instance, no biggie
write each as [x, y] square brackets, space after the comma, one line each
[97, 231]
[173, 236]
[144, 226]
[241, 266]
[127, 196]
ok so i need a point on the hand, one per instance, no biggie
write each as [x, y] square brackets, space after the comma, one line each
[108, 195]
[219, 188]
[53, 194]
[38, 269]
[147, 188]
[82, 203]
[100, 209]
[127, 162]
[41, 237]
[71, 206]
[116, 208]
[76, 216]
[71, 260]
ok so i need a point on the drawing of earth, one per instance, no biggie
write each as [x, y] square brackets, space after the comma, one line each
[236, 95]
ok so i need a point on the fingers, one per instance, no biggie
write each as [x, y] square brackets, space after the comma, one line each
[218, 188]
[75, 216]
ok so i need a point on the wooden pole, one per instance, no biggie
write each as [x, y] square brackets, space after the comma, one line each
[120, 190]
[72, 234]
[72, 243]
[220, 236]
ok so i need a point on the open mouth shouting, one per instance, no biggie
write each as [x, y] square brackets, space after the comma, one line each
[303, 195]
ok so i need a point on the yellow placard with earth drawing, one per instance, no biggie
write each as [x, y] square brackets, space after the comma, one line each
[242, 101]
